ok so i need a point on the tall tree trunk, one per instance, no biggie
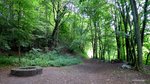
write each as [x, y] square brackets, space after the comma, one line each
[131, 39]
[144, 21]
[147, 58]
[117, 29]
[126, 32]
[99, 43]
[116, 26]
[137, 35]
[54, 36]
[59, 13]
[118, 47]
[95, 41]
[124, 8]
[92, 36]
[19, 53]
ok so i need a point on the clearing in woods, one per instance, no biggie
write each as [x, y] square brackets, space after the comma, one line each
[87, 73]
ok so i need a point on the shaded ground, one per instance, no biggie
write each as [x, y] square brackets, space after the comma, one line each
[86, 73]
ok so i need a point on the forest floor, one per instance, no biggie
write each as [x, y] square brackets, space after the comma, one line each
[89, 72]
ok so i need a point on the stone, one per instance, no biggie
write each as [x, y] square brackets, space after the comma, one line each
[26, 71]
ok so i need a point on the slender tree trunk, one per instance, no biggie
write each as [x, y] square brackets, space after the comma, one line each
[147, 58]
[99, 42]
[19, 52]
[92, 35]
[95, 41]
[144, 21]
[137, 34]
[117, 29]
[124, 8]
[126, 38]
[118, 47]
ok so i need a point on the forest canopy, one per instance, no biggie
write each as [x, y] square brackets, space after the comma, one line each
[101, 29]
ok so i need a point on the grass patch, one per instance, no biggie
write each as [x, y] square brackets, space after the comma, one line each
[40, 59]
[8, 61]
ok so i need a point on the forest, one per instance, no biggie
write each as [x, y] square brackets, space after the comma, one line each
[107, 30]
[75, 41]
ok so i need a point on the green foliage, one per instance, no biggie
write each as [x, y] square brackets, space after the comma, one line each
[41, 59]
[17, 19]
[7, 61]
[81, 26]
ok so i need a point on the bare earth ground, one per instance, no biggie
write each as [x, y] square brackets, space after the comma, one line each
[86, 73]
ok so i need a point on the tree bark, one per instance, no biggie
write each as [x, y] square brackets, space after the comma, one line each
[118, 46]
[58, 15]
[137, 35]
[117, 29]
[95, 41]
[147, 58]
[144, 21]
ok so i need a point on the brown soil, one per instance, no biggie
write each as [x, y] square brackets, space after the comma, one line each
[86, 73]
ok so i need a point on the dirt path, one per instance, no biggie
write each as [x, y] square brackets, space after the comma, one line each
[86, 73]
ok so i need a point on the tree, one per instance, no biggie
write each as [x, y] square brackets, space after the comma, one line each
[137, 34]
[19, 18]
[144, 21]
[59, 10]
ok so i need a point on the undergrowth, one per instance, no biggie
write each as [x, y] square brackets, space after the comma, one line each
[36, 58]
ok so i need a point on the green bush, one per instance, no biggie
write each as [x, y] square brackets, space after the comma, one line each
[49, 59]
[41, 59]
[5, 61]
